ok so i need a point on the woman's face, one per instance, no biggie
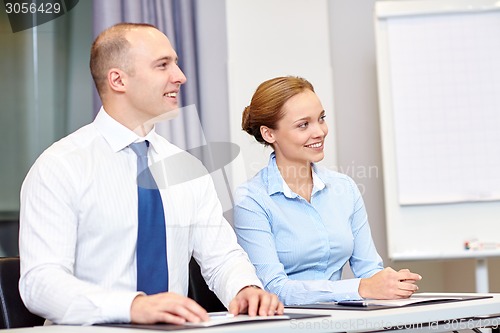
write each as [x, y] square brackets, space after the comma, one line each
[300, 135]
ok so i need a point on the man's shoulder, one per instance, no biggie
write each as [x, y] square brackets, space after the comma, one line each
[64, 157]
[71, 149]
[167, 148]
[80, 139]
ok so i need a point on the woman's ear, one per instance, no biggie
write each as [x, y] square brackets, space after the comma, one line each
[267, 134]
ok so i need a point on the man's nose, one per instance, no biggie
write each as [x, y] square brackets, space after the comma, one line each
[179, 76]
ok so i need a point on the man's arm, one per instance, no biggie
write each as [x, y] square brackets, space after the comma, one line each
[224, 264]
[47, 246]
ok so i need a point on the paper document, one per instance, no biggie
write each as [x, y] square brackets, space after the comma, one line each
[398, 302]
[223, 318]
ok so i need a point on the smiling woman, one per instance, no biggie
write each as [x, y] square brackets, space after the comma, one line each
[301, 223]
[286, 114]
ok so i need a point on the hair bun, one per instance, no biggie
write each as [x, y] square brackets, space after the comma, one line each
[245, 120]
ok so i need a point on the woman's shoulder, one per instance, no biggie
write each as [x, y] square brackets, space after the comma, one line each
[256, 184]
[327, 175]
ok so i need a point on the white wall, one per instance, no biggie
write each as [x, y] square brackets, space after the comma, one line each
[264, 43]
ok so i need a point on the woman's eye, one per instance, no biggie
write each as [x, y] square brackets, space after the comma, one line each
[322, 117]
[303, 125]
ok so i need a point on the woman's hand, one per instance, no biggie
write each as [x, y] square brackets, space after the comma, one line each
[389, 284]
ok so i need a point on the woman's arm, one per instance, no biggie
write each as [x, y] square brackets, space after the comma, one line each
[255, 235]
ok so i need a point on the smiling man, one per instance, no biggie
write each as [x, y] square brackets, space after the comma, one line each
[96, 244]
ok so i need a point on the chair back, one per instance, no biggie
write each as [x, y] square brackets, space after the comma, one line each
[13, 313]
[199, 291]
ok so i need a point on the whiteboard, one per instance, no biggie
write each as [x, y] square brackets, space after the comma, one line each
[438, 64]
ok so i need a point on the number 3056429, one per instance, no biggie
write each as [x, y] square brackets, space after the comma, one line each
[32, 8]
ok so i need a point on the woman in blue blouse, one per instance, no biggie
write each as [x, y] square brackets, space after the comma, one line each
[301, 223]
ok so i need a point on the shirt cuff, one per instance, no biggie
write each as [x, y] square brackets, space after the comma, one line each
[116, 306]
[348, 290]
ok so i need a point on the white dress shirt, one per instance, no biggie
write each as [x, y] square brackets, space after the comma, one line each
[78, 226]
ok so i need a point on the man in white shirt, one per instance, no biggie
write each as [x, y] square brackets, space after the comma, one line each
[79, 215]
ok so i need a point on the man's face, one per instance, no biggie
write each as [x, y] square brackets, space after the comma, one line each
[153, 85]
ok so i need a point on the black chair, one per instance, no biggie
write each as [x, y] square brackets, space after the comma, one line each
[198, 290]
[13, 313]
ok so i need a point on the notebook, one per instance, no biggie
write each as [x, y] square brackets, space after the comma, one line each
[372, 304]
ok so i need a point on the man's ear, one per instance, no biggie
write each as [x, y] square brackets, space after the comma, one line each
[116, 79]
[267, 134]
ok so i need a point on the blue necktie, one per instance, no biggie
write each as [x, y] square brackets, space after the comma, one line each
[152, 269]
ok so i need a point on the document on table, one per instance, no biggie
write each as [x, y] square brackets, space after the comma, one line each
[398, 302]
[218, 318]
[375, 304]
[223, 318]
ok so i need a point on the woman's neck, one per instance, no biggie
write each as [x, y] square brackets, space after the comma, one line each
[298, 176]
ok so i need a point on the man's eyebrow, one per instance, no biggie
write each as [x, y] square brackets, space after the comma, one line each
[167, 58]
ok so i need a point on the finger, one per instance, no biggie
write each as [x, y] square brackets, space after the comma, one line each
[169, 318]
[234, 307]
[182, 312]
[274, 305]
[264, 308]
[408, 286]
[198, 310]
[189, 310]
[253, 304]
[281, 308]
[409, 276]
[404, 293]
[409, 281]
[238, 305]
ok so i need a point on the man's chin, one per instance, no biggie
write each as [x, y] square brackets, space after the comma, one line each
[168, 114]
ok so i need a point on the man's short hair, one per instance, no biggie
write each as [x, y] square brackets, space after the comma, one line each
[111, 50]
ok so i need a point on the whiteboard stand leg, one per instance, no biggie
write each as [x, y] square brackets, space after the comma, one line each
[482, 276]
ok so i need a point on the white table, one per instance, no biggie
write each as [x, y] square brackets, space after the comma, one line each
[422, 318]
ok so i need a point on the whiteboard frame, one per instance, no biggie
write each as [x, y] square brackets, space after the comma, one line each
[426, 232]
[387, 9]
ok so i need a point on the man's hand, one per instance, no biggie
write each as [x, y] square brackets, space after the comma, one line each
[166, 308]
[389, 284]
[256, 301]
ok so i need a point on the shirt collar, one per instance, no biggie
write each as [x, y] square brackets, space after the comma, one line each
[119, 136]
[276, 183]
[274, 179]
[318, 183]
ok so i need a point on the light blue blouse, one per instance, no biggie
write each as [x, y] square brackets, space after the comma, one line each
[299, 248]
